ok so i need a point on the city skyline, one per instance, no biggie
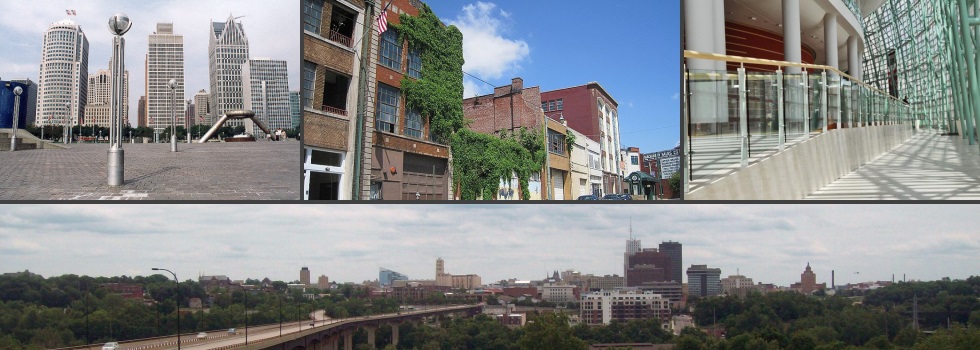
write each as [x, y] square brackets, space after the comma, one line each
[20, 54]
[348, 243]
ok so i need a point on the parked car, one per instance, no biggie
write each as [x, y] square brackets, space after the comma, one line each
[617, 197]
[202, 335]
[588, 197]
[231, 331]
[110, 346]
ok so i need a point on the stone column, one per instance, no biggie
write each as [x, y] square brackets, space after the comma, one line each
[830, 39]
[699, 32]
[853, 58]
[792, 50]
[348, 340]
[719, 33]
[394, 332]
[371, 332]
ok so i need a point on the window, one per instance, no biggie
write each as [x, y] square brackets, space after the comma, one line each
[341, 26]
[312, 12]
[387, 119]
[335, 86]
[413, 124]
[391, 51]
[560, 104]
[635, 160]
[556, 142]
[309, 76]
[415, 63]
[551, 105]
[544, 106]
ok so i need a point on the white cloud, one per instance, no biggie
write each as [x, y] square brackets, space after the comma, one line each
[675, 96]
[472, 88]
[487, 53]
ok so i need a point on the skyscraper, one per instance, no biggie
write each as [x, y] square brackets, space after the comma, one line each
[100, 98]
[703, 281]
[227, 52]
[674, 250]
[294, 110]
[386, 276]
[304, 276]
[265, 86]
[141, 112]
[63, 78]
[201, 108]
[164, 61]
[632, 247]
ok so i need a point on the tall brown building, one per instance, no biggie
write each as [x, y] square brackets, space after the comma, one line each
[808, 282]
[647, 266]
[304, 276]
[141, 112]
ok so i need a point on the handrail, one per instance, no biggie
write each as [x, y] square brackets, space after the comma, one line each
[762, 61]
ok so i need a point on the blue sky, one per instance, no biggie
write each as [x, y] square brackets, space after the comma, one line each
[20, 40]
[632, 48]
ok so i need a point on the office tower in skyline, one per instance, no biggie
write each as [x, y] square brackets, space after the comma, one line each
[265, 86]
[164, 61]
[63, 76]
[227, 53]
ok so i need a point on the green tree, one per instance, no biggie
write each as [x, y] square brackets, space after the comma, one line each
[550, 331]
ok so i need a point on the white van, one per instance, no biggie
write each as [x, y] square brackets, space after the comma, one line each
[110, 346]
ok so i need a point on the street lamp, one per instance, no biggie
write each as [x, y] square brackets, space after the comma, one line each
[64, 127]
[246, 308]
[13, 134]
[178, 302]
[119, 24]
[173, 110]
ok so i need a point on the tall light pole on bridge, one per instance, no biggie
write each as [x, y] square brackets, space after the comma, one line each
[119, 24]
[244, 291]
[178, 303]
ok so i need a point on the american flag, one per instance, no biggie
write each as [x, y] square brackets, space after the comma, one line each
[383, 18]
[71, 12]
[382, 23]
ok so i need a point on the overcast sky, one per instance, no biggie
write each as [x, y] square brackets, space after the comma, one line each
[769, 243]
[272, 30]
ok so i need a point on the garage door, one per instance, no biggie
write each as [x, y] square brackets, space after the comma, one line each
[557, 178]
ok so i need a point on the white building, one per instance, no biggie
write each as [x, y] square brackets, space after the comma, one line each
[586, 167]
[679, 322]
[631, 160]
[558, 293]
[99, 103]
[227, 53]
[606, 306]
[164, 61]
[201, 115]
[63, 77]
[265, 85]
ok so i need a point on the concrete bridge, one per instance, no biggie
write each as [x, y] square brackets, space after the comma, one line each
[318, 333]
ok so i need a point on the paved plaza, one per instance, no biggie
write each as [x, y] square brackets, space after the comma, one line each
[930, 166]
[259, 170]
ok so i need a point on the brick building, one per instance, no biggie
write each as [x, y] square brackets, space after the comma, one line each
[361, 141]
[507, 110]
[589, 109]
[125, 290]
[648, 265]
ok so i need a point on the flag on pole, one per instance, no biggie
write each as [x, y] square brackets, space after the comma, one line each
[383, 18]
[382, 23]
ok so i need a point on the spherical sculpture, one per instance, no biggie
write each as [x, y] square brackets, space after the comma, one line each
[172, 83]
[18, 90]
[119, 23]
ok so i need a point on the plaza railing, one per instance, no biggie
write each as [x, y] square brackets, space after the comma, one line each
[734, 118]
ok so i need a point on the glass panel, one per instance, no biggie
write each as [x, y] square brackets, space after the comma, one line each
[761, 111]
[713, 116]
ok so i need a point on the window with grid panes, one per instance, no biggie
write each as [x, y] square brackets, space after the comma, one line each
[309, 76]
[413, 124]
[312, 12]
[415, 63]
[560, 104]
[387, 119]
[391, 51]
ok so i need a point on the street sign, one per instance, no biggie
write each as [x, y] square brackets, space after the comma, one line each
[668, 161]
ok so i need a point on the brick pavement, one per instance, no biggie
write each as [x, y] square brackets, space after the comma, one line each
[260, 170]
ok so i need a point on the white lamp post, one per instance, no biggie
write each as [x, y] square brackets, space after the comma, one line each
[173, 110]
[119, 24]
[13, 133]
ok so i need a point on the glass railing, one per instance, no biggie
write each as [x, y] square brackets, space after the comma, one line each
[855, 8]
[736, 118]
